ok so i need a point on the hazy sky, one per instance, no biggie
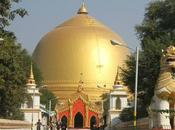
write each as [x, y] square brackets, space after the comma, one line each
[44, 15]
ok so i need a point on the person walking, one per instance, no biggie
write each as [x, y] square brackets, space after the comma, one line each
[58, 125]
[38, 125]
[51, 125]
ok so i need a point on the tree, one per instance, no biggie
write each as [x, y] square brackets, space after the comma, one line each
[12, 64]
[14, 71]
[7, 14]
[156, 32]
[46, 96]
[12, 77]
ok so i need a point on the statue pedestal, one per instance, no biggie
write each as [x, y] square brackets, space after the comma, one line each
[163, 118]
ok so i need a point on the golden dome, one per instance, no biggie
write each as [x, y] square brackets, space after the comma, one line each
[80, 45]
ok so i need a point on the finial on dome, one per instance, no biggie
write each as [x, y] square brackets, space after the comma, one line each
[83, 9]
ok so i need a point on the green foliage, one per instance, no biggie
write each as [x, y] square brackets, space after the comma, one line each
[12, 77]
[46, 96]
[7, 13]
[37, 74]
[127, 114]
[155, 33]
[14, 71]
[14, 65]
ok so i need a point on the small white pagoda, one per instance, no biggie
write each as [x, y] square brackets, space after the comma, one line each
[118, 100]
[31, 108]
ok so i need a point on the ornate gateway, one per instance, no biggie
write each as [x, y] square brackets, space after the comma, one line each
[78, 111]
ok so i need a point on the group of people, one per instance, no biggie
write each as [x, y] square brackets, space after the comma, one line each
[53, 125]
[58, 125]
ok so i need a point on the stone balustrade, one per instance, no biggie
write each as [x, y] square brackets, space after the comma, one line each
[142, 124]
[6, 124]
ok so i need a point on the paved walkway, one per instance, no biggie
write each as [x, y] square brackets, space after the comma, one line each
[78, 129]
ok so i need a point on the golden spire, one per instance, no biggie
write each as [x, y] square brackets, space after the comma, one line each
[31, 72]
[31, 80]
[117, 78]
[82, 9]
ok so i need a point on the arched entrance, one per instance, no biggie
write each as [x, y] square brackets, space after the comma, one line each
[64, 120]
[118, 103]
[78, 120]
[93, 121]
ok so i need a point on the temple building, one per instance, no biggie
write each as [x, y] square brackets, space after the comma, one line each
[80, 50]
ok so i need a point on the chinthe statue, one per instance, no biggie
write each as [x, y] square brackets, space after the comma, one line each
[163, 102]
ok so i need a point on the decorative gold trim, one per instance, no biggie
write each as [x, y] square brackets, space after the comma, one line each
[30, 110]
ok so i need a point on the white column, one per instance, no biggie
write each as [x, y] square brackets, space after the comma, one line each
[109, 111]
[110, 102]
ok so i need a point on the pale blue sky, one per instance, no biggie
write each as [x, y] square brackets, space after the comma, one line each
[120, 15]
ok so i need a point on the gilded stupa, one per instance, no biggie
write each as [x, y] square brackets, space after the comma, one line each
[80, 49]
